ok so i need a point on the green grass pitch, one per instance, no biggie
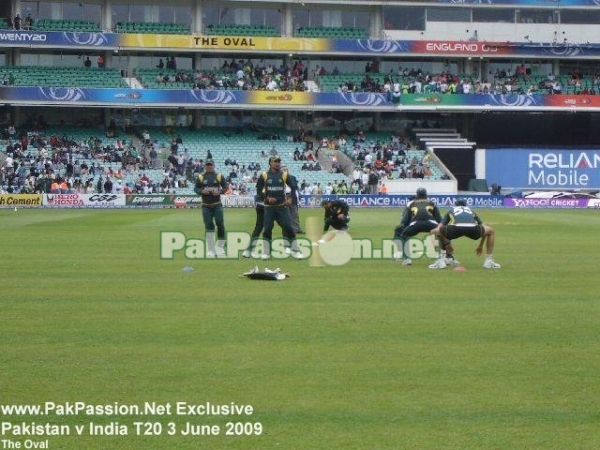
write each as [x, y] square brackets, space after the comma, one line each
[369, 355]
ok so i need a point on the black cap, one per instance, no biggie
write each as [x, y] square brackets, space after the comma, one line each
[209, 161]
[460, 202]
[421, 193]
[274, 158]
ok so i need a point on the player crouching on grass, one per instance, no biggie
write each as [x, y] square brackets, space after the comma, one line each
[421, 215]
[336, 216]
[462, 221]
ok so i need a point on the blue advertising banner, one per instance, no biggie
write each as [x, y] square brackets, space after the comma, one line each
[190, 43]
[58, 39]
[523, 2]
[183, 97]
[543, 168]
[282, 100]
[400, 201]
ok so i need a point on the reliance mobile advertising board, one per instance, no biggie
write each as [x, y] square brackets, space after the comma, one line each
[543, 168]
[400, 201]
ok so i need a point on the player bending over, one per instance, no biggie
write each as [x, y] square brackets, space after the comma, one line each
[462, 221]
[337, 216]
[421, 215]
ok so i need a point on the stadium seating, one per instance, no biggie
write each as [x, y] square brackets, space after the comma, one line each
[244, 148]
[332, 33]
[242, 30]
[331, 83]
[224, 144]
[46, 76]
[66, 25]
[148, 78]
[152, 28]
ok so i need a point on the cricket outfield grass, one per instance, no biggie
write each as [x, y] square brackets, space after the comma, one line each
[121, 349]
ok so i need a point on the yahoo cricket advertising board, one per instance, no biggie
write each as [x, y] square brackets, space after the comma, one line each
[546, 168]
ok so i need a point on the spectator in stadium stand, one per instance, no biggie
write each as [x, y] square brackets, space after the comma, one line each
[17, 22]
[462, 221]
[100, 62]
[24, 142]
[373, 181]
[87, 62]
[211, 185]
[171, 63]
[8, 164]
[28, 22]
[108, 185]
[89, 186]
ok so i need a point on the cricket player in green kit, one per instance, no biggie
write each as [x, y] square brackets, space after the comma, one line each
[210, 185]
[271, 187]
[463, 221]
[421, 215]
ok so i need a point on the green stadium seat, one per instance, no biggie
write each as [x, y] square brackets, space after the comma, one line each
[478, 185]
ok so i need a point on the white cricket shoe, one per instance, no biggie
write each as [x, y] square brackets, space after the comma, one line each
[246, 254]
[452, 262]
[407, 262]
[265, 256]
[491, 264]
[211, 254]
[321, 241]
[221, 253]
[439, 264]
[297, 255]
[288, 251]
[397, 256]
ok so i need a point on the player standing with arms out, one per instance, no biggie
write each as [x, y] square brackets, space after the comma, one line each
[210, 185]
[462, 221]
[421, 215]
